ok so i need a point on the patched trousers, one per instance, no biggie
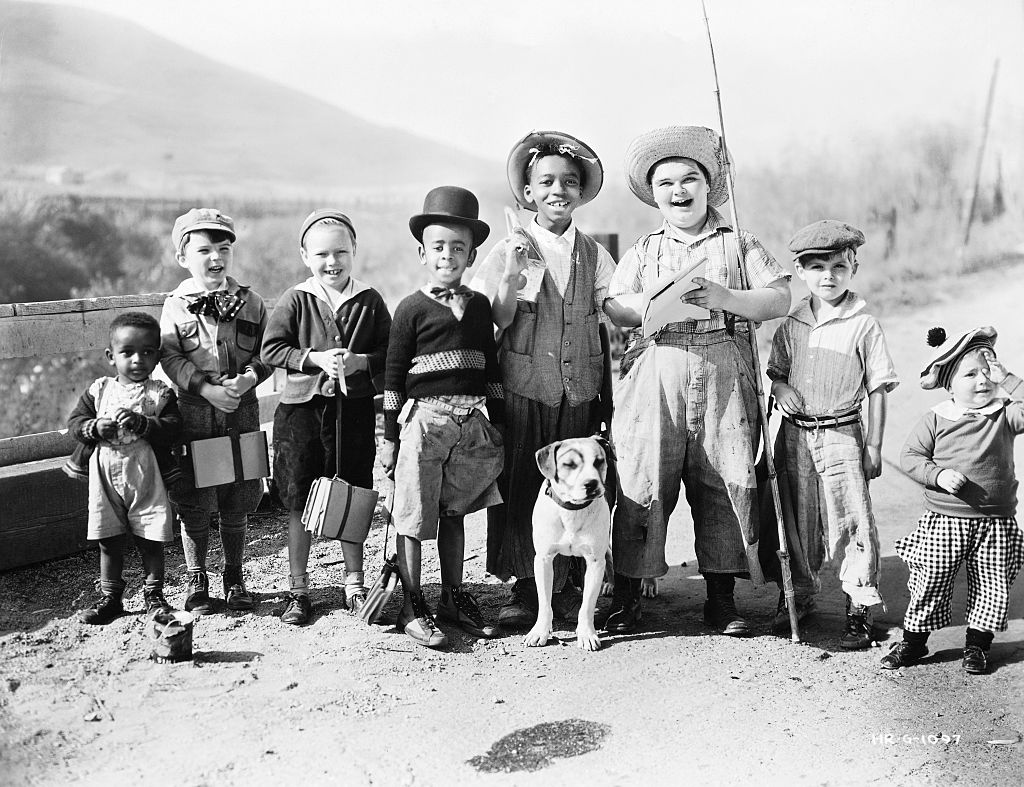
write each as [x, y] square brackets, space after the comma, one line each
[686, 411]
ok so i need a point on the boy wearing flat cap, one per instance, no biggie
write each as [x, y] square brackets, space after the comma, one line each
[961, 452]
[327, 327]
[555, 357]
[211, 328]
[444, 453]
[827, 357]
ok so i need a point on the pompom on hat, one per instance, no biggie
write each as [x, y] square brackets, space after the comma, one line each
[698, 143]
[825, 237]
[553, 143]
[940, 368]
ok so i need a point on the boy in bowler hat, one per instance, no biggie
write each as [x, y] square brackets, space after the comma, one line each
[443, 451]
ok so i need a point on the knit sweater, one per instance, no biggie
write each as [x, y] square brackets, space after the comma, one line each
[431, 353]
[977, 443]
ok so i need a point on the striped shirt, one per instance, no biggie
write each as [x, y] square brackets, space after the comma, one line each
[833, 364]
[668, 250]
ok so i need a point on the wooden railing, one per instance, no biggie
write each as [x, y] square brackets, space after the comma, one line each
[42, 512]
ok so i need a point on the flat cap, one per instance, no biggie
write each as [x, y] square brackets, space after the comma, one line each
[200, 219]
[825, 237]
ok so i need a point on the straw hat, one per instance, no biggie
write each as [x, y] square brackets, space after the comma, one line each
[940, 368]
[553, 143]
[693, 142]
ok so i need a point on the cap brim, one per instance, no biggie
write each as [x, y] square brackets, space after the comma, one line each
[698, 143]
[593, 171]
[208, 225]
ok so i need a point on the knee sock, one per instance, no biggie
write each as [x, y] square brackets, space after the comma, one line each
[354, 580]
[112, 587]
[983, 639]
[195, 537]
[300, 584]
[916, 638]
[232, 536]
[154, 585]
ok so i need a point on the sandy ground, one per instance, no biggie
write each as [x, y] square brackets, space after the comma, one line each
[354, 704]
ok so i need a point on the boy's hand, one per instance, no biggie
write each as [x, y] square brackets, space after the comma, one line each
[709, 295]
[239, 383]
[106, 428]
[516, 257]
[353, 362]
[871, 461]
[951, 480]
[996, 371]
[224, 399]
[389, 457]
[328, 360]
[787, 398]
[130, 420]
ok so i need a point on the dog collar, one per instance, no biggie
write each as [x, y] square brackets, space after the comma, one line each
[564, 503]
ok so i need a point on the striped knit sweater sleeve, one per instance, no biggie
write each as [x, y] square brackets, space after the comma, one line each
[431, 353]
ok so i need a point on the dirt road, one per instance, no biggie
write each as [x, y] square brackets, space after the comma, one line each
[344, 703]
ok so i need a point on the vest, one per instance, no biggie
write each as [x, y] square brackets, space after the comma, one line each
[553, 346]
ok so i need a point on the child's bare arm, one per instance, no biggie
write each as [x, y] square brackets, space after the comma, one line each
[871, 456]
[503, 308]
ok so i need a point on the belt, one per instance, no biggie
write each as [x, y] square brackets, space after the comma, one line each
[445, 407]
[834, 421]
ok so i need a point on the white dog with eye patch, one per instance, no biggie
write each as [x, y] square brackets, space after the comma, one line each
[571, 517]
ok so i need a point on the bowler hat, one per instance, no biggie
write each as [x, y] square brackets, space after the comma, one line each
[201, 219]
[320, 215]
[553, 143]
[693, 142]
[940, 368]
[450, 205]
[825, 237]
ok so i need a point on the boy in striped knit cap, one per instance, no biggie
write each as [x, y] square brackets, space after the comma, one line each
[441, 370]
[827, 357]
[961, 451]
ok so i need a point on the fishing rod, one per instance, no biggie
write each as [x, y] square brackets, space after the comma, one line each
[773, 479]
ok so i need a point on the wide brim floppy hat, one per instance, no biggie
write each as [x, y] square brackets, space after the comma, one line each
[321, 215]
[940, 368]
[553, 143]
[698, 143]
[450, 205]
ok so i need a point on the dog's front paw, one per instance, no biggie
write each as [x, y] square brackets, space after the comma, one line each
[587, 639]
[537, 637]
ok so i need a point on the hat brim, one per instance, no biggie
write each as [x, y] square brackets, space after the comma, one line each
[946, 355]
[697, 143]
[519, 157]
[207, 225]
[421, 221]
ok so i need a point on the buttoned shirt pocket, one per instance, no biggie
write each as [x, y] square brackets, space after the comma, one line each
[246, 333]
[188, 336]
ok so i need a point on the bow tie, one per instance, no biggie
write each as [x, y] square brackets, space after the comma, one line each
[220, 305]
[455, 297]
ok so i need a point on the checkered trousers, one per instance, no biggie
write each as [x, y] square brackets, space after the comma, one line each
[992, 548]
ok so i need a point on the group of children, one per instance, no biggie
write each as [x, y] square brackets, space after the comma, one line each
[465, 412]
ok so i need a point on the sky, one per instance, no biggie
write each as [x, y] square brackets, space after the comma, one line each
[480, 74]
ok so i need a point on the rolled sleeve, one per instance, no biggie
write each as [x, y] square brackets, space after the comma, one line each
[762, 268]
[879, 370]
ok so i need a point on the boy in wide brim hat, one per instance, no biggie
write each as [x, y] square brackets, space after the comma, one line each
[444, 452]
[687, 406]
[827, 358]
[555, 357]
[961, 452]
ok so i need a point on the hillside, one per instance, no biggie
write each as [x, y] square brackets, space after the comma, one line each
[110, 99]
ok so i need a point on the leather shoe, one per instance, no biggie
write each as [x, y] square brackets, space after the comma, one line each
[975, 660]
[720, 613]
[298, 610]
[623, 617]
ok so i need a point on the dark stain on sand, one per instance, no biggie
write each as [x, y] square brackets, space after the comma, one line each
[533, 748]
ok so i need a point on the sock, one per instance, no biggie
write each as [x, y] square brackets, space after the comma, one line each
[115, 587]
[154, 585]
[983, 639]
[195, 537]
[916, 638]
[232, 536]
[300, 584]
[232, 574]
[720, 584]
[354, 580]
[627, 585]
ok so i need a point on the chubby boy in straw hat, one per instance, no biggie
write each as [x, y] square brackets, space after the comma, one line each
[554, 351]
[827, 357]
[444, 452]
[687, 408]
[961, 452]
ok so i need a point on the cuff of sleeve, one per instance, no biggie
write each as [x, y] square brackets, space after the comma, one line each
[1012, 384]
[89, 430]
[933, 477]
[147, 426]
[391, 425]
[297, 359]
[195, 382]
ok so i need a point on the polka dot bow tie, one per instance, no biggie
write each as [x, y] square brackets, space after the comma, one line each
[220, 305]
[455, 298]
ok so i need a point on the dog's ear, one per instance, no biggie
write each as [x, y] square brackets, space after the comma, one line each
[546, 460]
[609, 452]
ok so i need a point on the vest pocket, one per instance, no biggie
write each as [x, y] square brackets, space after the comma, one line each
[520, 335]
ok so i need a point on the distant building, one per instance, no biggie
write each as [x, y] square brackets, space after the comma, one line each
[64, 176]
